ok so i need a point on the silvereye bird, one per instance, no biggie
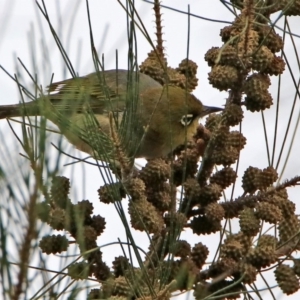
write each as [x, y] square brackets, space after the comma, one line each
[165, 116]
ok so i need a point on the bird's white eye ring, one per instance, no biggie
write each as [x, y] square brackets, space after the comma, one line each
[186, 120]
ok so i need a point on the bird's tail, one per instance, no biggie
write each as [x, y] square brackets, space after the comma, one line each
[19, 110]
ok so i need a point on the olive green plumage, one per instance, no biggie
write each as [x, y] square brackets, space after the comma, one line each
[87, 110]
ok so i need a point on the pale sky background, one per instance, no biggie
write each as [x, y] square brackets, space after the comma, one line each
[23, 28]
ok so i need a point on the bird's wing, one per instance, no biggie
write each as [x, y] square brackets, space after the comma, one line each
[75, 86]
[90, 92]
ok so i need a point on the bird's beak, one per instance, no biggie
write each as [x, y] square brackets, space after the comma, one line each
[210, 109]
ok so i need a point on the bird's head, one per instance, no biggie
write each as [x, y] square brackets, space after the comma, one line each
[171, 117]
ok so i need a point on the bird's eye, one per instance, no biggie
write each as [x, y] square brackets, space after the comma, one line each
[186, 120]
